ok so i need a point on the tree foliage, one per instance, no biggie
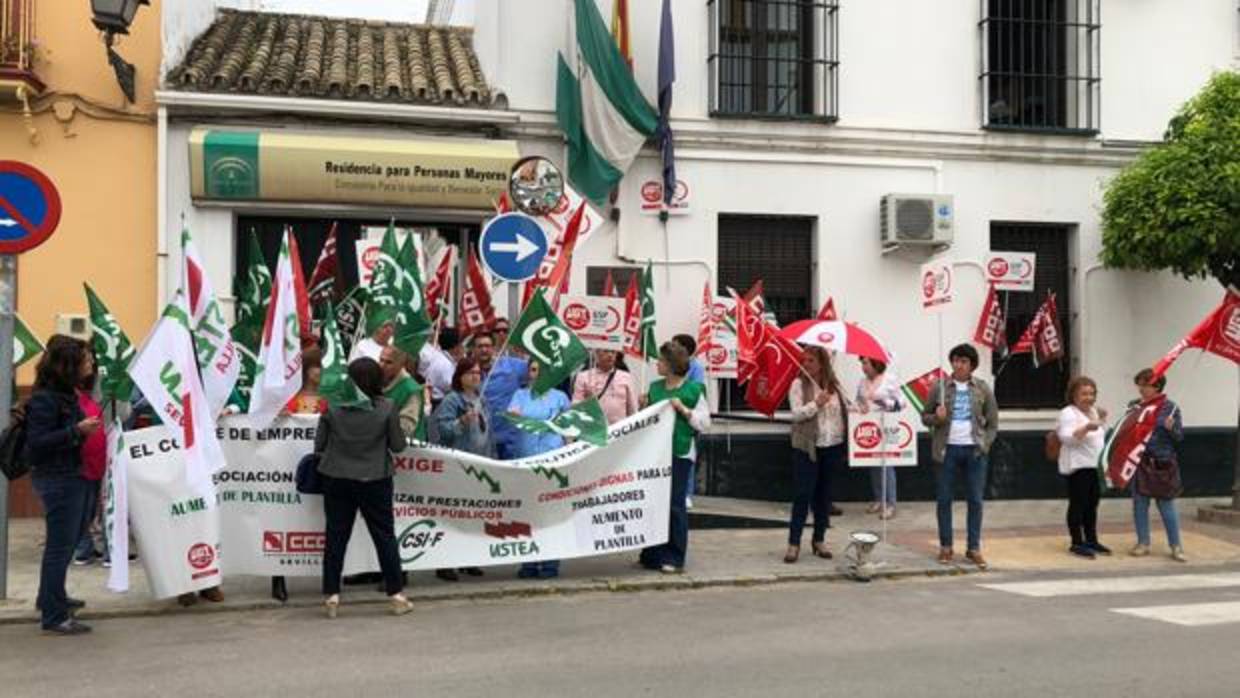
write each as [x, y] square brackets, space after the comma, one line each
[1177, 206]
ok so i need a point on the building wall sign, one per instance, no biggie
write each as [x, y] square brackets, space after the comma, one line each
[302, 167]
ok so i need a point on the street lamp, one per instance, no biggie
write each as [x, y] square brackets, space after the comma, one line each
[113, 17]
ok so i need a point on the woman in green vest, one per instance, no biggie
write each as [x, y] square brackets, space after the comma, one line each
[688, 399]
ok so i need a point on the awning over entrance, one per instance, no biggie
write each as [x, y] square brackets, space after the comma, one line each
[280, 166]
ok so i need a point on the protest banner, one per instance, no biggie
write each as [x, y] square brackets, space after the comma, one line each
[721, 357]
[597, 321]
[1011, 271]
[453, 509]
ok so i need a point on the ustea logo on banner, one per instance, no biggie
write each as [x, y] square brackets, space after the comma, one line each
[936, 285]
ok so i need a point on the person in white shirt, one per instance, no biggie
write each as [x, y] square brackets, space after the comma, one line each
[879, 391]
[1080, 430]
[819, 445]
[372, 347]
[437, 364]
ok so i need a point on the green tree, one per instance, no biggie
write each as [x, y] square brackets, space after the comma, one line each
[1177, 206]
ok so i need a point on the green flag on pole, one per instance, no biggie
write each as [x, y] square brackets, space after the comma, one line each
[25, 346]
[253, 292]
[385, 292]
[413, 323]
[583, 421]
[556, 349]
[335, 385]
[113, 352]
[650, 346]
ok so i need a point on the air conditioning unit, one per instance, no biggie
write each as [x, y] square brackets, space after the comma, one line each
[74, 325]
[917, 220]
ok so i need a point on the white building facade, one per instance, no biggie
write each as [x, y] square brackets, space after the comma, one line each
[792, 120]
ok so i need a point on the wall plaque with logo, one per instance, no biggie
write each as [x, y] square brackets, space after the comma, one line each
[652, 198]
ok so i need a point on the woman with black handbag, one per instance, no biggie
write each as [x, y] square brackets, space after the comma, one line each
[1158, 473]
[355, 445]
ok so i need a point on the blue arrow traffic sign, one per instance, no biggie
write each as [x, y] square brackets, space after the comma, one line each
[29, 207]
[513, 245]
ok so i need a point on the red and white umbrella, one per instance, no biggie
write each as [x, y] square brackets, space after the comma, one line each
[835, 335]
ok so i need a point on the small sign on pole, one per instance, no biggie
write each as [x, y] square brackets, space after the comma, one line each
[1011, 271]
[598, 321]
[879, 439]
[937, 285]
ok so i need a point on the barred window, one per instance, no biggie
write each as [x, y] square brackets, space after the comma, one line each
[779, 252]
[1040, 65]
[1017, 383]
[621, 277]
[774, 58]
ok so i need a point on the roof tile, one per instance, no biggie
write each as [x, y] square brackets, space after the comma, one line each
[319, 57]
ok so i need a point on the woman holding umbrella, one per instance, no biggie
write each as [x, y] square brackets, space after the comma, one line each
[819, 443]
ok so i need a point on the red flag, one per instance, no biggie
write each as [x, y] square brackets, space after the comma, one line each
[991, 329]
[308, 337]
[437, 286]
[918, 390]
[1126, 444]
[749, 337]
[776, 363]
[827, 312]
[477, 313]
[754, 297]
[1218, 333]
[1042, 337]
[632, 319]
[609, 286]
[706, 322]
[554, 275]
[326, 283]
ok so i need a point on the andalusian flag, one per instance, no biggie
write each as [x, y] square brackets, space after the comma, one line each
[556, 349]
[584, 421]
[25, 346]
[604, 116]
[278, 376]
[650, 346]
[166, 371]
[335, 385]
[113, 352]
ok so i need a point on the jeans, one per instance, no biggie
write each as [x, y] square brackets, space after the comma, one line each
[63, 500]
[85, 549]
[971, 460]
[674, 551]
[877, 475]
[812, 480]
[342, 500]
[1141, 518]
[1083, 495]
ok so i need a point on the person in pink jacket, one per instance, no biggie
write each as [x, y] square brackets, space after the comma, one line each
[610, 383]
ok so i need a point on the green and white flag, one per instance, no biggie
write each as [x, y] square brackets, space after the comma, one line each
[278, 375]
[349, 314]
[541, 335]
[25, 346]
[386, 284]
[219, 360]
[253, 290]
[604, 116]
[166, 371]
[116, 507]
[113, 352]
[335, 384]
[583, 421]
[650, 346]
[413, 323]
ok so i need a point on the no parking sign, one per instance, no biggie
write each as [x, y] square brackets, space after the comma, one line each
[29, 207]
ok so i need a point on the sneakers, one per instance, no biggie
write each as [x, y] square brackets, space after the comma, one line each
[887, 513]
[1098, 548]
[83, 561]
[671, 569]
[1082, 550]
[975, 556]
[874, 508]
[945, 556]
[1139, 550]
[1177, 553]
[68, 627]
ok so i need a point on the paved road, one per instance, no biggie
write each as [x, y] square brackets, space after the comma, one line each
[982, 635]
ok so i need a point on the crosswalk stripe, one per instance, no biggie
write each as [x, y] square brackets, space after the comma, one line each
[1118, 585]
[1191, 615]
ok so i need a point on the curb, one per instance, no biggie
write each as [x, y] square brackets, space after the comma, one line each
[606, 585]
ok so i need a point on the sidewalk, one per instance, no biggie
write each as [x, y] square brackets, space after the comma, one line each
[1018, 536]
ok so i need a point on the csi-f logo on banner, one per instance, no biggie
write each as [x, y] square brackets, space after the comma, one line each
[417, 539]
